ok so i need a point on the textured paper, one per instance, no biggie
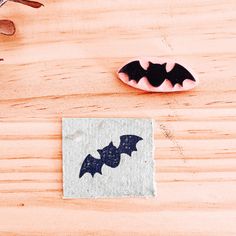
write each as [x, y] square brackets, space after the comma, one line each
[133, 177]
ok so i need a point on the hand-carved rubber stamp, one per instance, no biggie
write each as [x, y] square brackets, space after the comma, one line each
[154, 75]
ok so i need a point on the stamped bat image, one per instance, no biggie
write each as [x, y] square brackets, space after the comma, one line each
[109, 155]
[156, 76]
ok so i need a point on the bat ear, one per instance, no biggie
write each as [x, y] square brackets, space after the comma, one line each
[99, 151]
[164, 64]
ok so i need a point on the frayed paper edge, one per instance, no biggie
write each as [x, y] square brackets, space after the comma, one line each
[150, 196]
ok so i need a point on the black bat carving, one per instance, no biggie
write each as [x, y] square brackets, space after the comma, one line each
[156, 73]
[109, 155]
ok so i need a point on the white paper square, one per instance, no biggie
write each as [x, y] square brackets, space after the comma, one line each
[134, 176]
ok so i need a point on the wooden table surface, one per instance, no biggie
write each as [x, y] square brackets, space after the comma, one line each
[61, 63]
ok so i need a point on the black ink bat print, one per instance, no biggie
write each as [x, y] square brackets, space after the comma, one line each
[109, 155]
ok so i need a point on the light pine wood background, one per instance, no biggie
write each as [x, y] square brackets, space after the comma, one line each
[62, 63]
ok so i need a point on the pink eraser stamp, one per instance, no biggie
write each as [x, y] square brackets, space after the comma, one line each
[154, 75]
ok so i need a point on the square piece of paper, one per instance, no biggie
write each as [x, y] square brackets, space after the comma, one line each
[107, 157]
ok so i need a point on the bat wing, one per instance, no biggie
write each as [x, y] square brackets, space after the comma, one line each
[134, 71]
[91, 165]
[128, 143]
[178, 74]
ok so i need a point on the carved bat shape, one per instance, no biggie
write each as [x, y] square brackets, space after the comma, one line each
[110, 155]
[157, 76]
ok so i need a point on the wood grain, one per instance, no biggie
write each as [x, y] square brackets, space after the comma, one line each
[62, 62]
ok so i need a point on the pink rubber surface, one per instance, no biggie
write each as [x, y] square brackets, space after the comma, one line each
[166, 86]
